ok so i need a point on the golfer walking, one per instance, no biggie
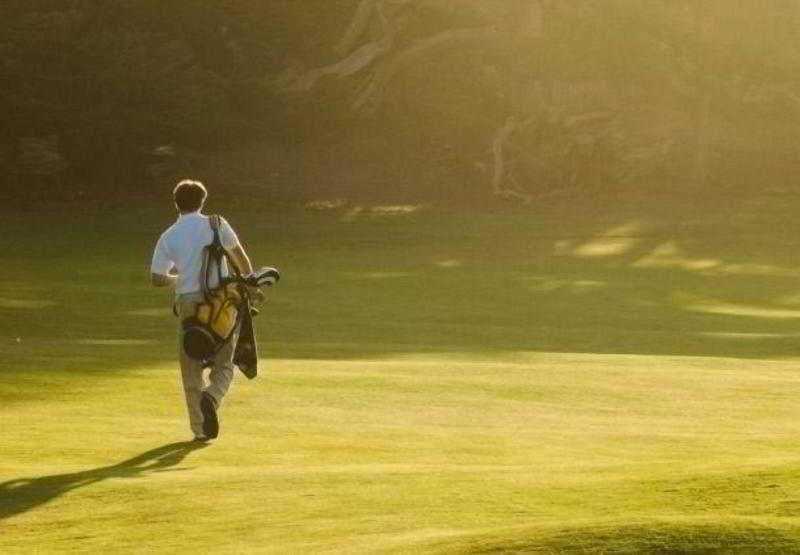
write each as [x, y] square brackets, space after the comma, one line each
[177, 262]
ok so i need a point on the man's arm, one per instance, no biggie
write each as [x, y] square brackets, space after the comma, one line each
[231, 244]
[160, 280]
[241, 260]
[162, 269]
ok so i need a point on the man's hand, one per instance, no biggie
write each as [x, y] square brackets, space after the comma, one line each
[256, 294]
[160, 280]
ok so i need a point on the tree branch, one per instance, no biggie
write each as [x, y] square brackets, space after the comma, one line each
[355, 62]
[384, 74]
[499, 175]
[356, 28]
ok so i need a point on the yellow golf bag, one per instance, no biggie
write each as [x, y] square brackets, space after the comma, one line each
[214, 319]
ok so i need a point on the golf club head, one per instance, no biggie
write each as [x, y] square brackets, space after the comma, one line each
[266, 275]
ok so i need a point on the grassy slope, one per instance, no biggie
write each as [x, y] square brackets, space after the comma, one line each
[435, 382]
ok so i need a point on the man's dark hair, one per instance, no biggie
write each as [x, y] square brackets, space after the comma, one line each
[189, 195]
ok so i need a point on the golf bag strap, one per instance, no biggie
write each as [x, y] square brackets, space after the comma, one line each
[213, 252]
[216, 221]
[217, 251]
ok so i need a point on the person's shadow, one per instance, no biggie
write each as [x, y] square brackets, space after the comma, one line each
[23, 494]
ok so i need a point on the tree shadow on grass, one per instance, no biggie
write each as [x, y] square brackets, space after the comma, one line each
[24, 494]
[656, 538]
[678, 281]
[629, 286]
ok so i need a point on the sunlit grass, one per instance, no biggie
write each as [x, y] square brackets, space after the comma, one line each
[432, 382]
[422, 452]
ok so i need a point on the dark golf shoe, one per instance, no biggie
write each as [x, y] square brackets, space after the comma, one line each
[210, 422]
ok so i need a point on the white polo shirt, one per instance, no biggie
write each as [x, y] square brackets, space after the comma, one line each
[181, 248]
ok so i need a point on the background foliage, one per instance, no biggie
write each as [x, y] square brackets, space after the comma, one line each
[441, 100]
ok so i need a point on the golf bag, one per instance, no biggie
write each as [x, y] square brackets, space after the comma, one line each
[215, 319]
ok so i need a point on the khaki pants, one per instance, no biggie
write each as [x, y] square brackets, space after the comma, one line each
[220, 375]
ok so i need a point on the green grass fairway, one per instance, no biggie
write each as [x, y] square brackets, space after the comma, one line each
[619, 380]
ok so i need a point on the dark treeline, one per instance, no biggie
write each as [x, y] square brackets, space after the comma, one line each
[398, 99]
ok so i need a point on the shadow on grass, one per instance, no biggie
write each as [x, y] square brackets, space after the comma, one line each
[655, 538]
[23, 494]
[687, 282]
